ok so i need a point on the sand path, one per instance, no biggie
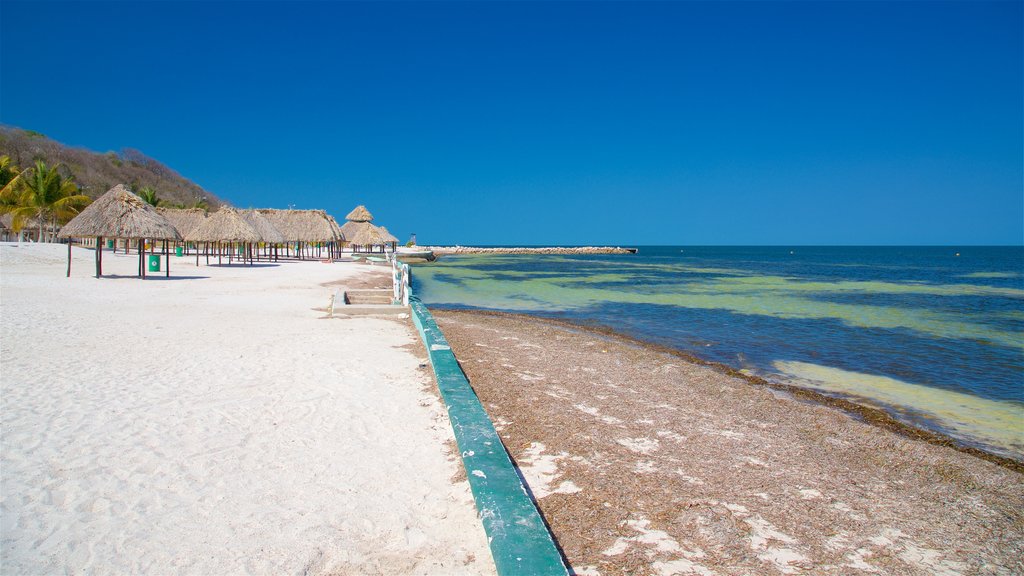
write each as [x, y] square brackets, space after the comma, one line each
[217, 425]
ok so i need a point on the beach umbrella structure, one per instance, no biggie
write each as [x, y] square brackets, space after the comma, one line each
[340, 242]
[225, 226]
[184, 220]
[6, 226]
[120, 214]
[389, 238]
[360, 232]
[308, 231]
[29, 227]
[366, 236]
[269, 235]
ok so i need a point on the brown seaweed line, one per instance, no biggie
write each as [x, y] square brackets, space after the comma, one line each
[874, 416]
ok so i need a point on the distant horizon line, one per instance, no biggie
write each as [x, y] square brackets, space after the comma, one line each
[614, 245]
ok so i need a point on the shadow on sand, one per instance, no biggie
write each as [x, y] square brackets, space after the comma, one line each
[237, 265]
[151, 277]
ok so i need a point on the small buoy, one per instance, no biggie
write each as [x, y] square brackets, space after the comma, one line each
[957, 253]
[790, 251]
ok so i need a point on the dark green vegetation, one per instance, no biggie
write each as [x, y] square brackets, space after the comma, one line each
[95, 173]
[40, 196]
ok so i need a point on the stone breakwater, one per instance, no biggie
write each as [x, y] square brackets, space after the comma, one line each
[446, 250]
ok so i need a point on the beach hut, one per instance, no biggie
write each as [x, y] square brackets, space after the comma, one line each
[340, 242]
[359, 214]
[29, 228]
[225, 226]
[306, 230]
[6, 227]
[389, 238]
[366, 236]
[119, 214]
[359, 231]
[269, 235]
[184, 220]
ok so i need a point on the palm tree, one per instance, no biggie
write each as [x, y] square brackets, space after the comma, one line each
[10, 178]
[149, 195]
[8, 171]
[48, 196]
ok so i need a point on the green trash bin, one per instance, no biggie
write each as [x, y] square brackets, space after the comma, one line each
[110, 244]
[154, 262]
[241, 250]
[178, 251]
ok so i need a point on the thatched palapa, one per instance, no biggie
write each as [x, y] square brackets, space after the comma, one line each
[119, 214]
[224, 225]
[268, 233]
[184, 220]
[363, 234]
[387, 236]
[302, 225]
[359, 214]
[359, 232]
[337, 229]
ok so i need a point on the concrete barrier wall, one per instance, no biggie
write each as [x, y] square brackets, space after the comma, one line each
[520, 541]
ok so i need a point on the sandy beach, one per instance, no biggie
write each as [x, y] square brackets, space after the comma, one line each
[644, 462]
[216, 423]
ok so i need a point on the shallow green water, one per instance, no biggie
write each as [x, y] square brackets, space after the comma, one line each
[923, 317]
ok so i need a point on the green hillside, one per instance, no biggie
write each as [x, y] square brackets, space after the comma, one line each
[98, 172]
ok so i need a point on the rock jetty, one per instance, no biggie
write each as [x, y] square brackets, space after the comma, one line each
[446, 250]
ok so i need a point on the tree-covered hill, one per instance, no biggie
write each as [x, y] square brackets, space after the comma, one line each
[96, 173]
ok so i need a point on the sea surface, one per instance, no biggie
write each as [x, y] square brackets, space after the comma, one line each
[935, 335]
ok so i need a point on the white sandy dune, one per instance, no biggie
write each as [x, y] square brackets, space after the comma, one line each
[217, 425]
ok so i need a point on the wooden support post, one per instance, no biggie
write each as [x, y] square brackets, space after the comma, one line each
[167, 255]
[142, 258]
[69, 257]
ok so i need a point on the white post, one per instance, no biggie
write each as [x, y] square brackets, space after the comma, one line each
[405, 284]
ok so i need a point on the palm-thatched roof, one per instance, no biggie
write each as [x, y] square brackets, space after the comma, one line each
[359, 214]
[337, 229]
[119, 214]
[263, 227]
[366, 234]
[184, 220]
[224, 225]
[29, 223]
[302, 225]
[350, 229]
[387, 236]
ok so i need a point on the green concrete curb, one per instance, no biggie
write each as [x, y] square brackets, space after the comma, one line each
[519, 539]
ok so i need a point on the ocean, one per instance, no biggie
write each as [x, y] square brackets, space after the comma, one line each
[934, 335]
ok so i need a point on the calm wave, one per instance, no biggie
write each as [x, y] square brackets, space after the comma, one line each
[933, 336]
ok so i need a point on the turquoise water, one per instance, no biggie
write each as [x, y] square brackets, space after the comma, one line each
[935, 337]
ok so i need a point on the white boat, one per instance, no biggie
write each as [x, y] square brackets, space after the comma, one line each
[413, 253]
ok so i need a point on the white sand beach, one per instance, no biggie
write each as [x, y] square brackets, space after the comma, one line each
[216, 423]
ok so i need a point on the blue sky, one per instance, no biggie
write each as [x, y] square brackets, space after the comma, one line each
[555, 123]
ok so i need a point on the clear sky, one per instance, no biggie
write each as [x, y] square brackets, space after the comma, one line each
[540, 123]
